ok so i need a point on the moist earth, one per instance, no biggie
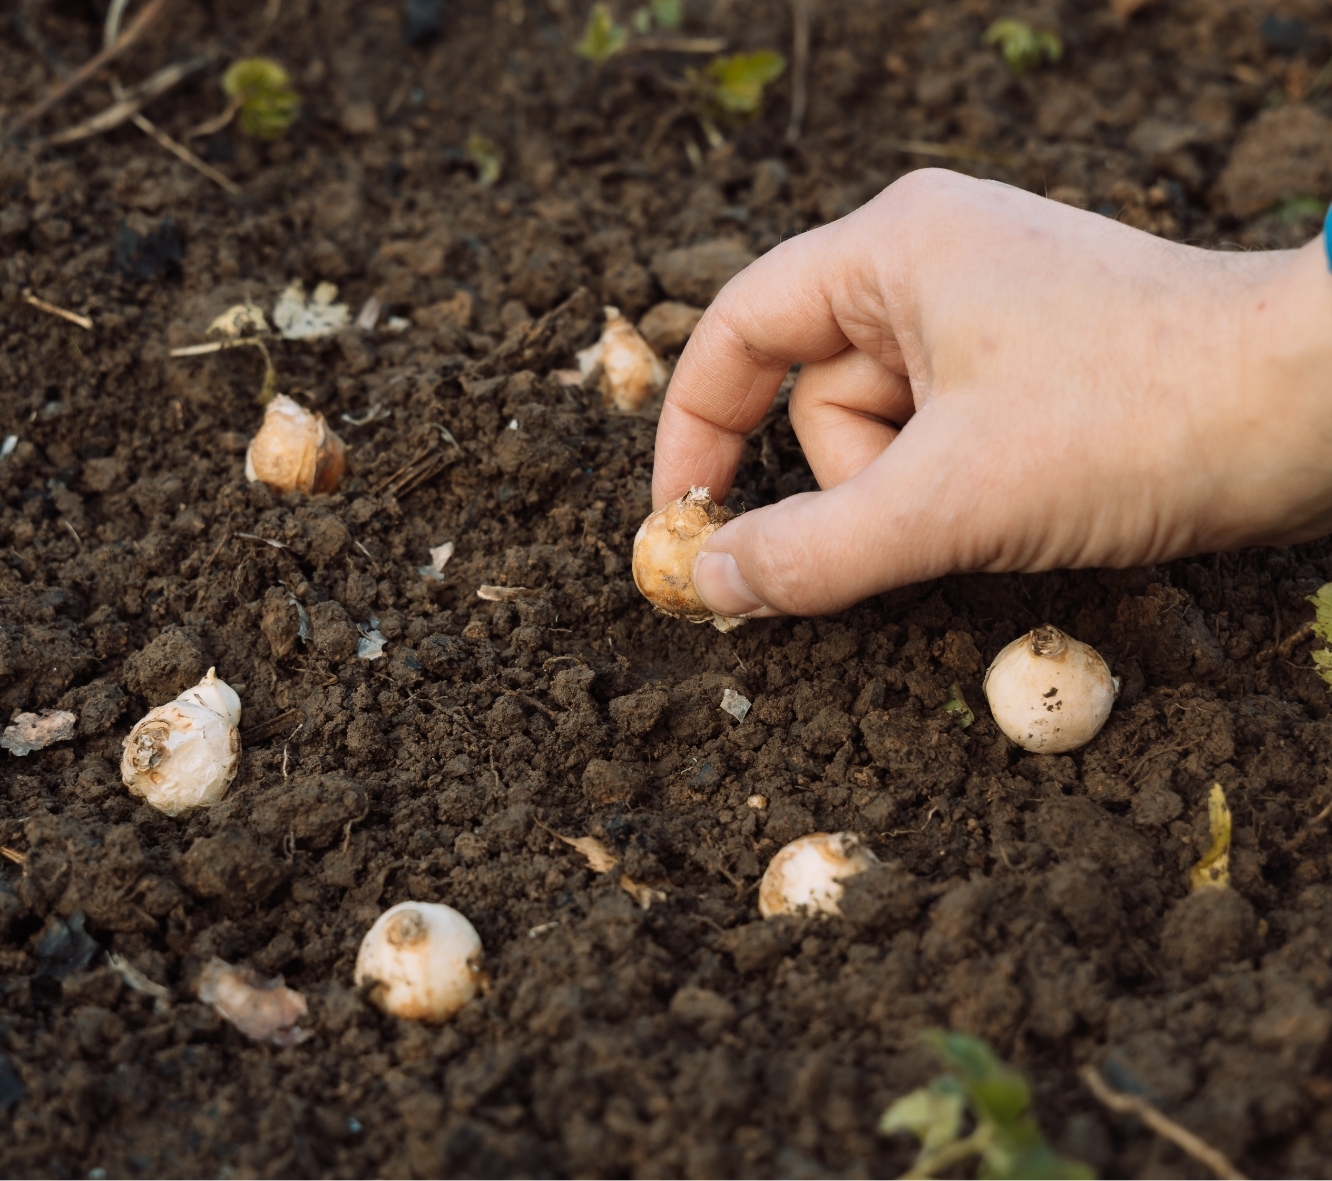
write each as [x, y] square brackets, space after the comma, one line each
[640, 1021]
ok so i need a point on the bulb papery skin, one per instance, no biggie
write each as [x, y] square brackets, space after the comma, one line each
[1049, 692]
[631, 372]
[295, 451]
[184, 754]
[806, 875]
[667, 544]
[423, 960]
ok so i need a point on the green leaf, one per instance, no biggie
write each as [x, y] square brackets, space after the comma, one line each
[487, 158]
[1022, 47]
[602, 38]
[737, 80]
[958, 707]
[268, 101]
[932, 1114]
[998, 1092]
[669, 14]
[1322, 601]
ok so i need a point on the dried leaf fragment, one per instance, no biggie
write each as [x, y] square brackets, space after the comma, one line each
[644, 895]
[266, 1010]
[735, 704]
[28, 732]
[501, 594]
[599, 858]
[299, 318]
[243, 319]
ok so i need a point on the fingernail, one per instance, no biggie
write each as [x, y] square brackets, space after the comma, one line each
[720, 585]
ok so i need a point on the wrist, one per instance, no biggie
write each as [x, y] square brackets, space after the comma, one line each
[1283, 436]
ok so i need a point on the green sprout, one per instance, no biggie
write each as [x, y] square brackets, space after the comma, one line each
[997, 1097]
[486, 158]
[958, 707]
[1022, 47]
[663, 14]
[1322, 628]
[602, 38]
[731, 88]
[262, 93]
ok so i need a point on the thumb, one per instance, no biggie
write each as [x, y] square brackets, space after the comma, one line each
[912, 514]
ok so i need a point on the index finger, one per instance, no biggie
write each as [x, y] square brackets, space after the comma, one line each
[778, 310]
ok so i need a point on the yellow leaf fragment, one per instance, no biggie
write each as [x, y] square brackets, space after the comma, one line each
[1213, 871]
[599, 858]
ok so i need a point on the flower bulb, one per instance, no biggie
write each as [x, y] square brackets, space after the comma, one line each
[1049, 692]
[295, 451]
[667, 544]
[631, 371]
[806, 875]
[184, 754]
[423, 960]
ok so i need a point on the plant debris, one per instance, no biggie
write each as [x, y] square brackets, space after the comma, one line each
[297, 317]
[29, 732]
[262, 1009]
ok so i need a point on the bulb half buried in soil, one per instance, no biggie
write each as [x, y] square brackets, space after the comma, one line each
[184, 754]
[631, 371]
[295, 451]
[667, 544]
[806, 875]
[422, 960]
[1049, 692]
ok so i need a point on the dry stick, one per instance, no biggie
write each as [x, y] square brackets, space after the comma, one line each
[676, 45]
[134, 99]
[182, 152]
[50, 309]
[1181, 1137]
[146, 17]
[920, 147]
[799, 69]
[179, 150]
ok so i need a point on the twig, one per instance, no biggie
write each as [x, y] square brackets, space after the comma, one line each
[150, 12]
[799, 69]
[1288, 645]
[920, 147]
[675, 45]
[217, 122]
[183, 153]
[1298, 838]
[12, 855]
[51, 309]
[1180, 1137]
[135, 98]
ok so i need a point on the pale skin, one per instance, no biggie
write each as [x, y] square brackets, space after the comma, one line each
[995, 382]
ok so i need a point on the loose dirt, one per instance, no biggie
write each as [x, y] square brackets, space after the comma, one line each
[642, 1020]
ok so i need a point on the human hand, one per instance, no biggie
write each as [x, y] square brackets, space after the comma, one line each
[995, 382]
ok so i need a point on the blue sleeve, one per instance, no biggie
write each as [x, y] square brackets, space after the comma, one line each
[1327, 236]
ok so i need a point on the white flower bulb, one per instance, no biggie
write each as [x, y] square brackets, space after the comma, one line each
[184, 754]
[1049, 692]
[295, 451]
[631, 371]
[664, 552]
[423, 959]
[806, 875]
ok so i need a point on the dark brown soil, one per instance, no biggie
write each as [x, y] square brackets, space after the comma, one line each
[1040, 902]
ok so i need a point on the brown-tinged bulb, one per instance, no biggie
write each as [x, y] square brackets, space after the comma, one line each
[295, 451]
[806, 876]
[184, 754]
[667, 544]
[1049, 692]
[422, 961]
[631, 372]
